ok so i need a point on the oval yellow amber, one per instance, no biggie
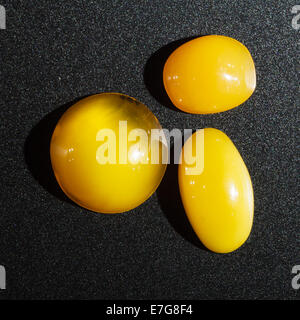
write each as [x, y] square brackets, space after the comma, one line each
[209, 74]
[218, 200]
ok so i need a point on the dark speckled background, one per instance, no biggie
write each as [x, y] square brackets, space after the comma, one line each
[55, 52]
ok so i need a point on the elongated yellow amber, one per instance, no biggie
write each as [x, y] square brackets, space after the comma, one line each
[218, 200]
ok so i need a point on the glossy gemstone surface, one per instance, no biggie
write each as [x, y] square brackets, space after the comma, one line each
[96, 155]
[209, 74]
[218, 200]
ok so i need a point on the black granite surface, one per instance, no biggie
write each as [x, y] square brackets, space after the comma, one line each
[55, 52]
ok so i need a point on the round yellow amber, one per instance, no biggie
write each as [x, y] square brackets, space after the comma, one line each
[82, 156]
[209, 74]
